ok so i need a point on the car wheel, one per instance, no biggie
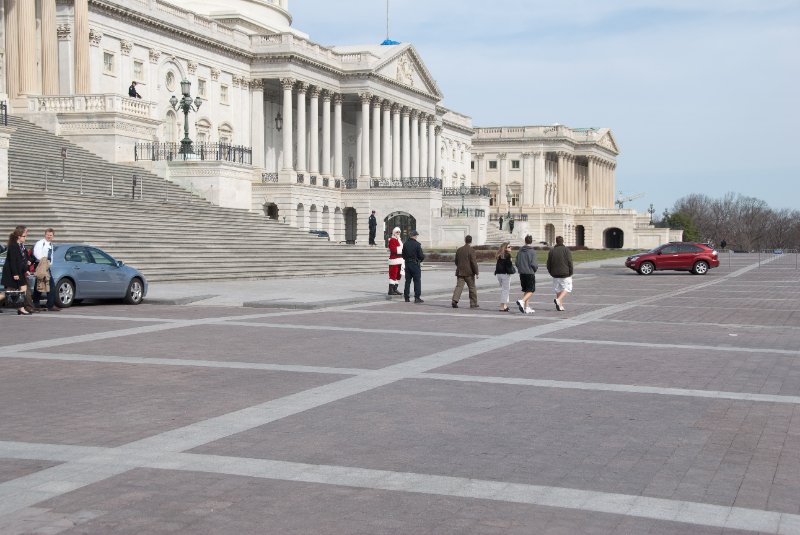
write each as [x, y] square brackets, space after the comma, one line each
[646, 268]
[700, 268]
[65, 293]
[135, 292]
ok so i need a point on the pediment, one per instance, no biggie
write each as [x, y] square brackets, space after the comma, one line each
[406, 68]
[607, 141]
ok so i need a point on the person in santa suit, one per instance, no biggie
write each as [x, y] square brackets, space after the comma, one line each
[395, 261]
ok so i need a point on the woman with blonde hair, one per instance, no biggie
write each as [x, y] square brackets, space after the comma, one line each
[503, 270]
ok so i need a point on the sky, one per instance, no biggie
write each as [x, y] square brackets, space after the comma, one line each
[702, 96]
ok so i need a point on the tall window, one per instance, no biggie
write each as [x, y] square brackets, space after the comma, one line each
[223, 94]
[201, 87]
[138, 70]
[492, 164]
[515, 164]
[108, 63]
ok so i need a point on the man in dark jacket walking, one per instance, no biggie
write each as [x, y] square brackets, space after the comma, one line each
[413, 257]
[559, 265]
[466, 272]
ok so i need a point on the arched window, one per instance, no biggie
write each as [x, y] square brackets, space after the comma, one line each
[171, 127]
[226, 133]
[203, 127]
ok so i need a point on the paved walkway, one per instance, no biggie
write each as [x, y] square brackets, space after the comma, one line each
[662, 404]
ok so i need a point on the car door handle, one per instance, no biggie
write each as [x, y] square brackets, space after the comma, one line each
[76, 268]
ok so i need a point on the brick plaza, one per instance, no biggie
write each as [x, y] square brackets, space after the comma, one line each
[667, 404]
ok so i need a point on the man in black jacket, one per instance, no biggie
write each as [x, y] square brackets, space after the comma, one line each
[373, 228]
[413, 257]
[559, 265]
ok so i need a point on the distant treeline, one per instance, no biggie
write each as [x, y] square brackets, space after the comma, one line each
[745, 223]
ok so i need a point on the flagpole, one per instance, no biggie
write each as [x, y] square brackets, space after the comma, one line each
[387, 20]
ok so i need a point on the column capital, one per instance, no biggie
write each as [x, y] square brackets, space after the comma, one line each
[64, 32]
[126, 47]
[215, 72]
[396, 108]
[156, 54]
[302, 88]
[365, 97]
[337, 98]
[438, 130]
[415, 114]
[502, 155]
[326, 95]
[527, 155]
[95, 36]
[191, 67]
[562, 155]
[405, 111]
[479, 156]
[386, 105]
[314, 91]
[377, 102]
[287, 83]
[257, 84]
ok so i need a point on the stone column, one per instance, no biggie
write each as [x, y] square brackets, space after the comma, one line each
[432, 171]
[612, 180]
[386, 135]
[376, 137]
[396, 172]
[12, 57]
[288, 159]
[437, 152]
[5, 139]
[326, 134]
[527, 179]
[501, 195]
[590, 181]
[560, 180]
[66, 59]
[313, 127]
[337, 136]
[365, 101]
[96, 57]
[257, 122]
[26, 37]
[82, 73]
[571, 179]
[49, 48]
[302, 88]
[539, 178]
[423, 145]
[414, 143]
[481, 169]
[405, 112]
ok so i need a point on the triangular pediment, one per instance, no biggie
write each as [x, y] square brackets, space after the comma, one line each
[406, 68]
[607, 141]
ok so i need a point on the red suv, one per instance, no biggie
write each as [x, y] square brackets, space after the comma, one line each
[697, 258]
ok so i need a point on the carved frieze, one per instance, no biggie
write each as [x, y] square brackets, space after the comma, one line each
[405, 71]
[64, 32]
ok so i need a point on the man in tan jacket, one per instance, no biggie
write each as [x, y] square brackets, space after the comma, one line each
[466, 272]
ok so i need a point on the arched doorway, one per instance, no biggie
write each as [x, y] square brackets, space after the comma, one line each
[301, 217]
[613, 238]
[580, 236]
[313, 218]
[271, 210]
[550, 234]
[350, 225]
[405, 221]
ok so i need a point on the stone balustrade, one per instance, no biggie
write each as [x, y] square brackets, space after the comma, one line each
[92, 103]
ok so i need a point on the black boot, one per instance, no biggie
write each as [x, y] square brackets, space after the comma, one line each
[394, 290]
[391, 290]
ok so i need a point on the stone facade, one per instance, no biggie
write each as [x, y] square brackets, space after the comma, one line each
[335, 131]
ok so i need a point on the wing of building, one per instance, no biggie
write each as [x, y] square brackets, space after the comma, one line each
[314, 136]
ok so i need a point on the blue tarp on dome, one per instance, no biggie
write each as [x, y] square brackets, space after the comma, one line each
[390, 42]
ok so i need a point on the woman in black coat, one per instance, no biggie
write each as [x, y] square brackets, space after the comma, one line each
[15, 269]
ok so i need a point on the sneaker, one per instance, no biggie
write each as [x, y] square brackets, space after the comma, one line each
[558, 307]
[519, 304]
[529, 310]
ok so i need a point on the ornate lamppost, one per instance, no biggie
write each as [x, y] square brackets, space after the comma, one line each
[185, 104]
[508, 201]
[463, 190]
[651, 211]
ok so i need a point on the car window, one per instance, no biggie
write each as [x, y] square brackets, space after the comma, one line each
[77, 254]
[689, 248]
[101, 258]
[669, 249]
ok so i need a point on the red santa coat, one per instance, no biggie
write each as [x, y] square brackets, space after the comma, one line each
[395, 259]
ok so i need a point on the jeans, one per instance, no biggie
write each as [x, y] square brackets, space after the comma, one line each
[413, 272]
[505, 287]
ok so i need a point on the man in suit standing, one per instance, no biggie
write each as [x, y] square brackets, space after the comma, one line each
[413, 257]
[373, 228]
[466, 272]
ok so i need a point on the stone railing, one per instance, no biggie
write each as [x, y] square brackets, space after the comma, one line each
[282, 41]
[481, 191]
[92, 103]
[407, 183]
[516, 132]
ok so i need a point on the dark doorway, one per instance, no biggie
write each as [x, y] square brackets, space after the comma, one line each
[405, 221]
[613, 238]
[350, 225]
[580, 234]
[271, 210]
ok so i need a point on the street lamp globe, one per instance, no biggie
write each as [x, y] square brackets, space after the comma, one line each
[186, 87]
